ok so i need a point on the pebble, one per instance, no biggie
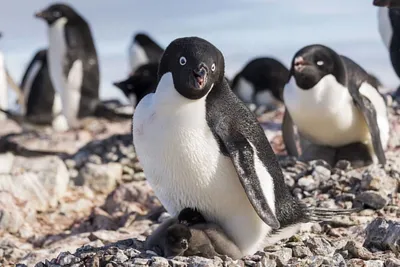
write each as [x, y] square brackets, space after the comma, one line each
[319, 246]
[372, 199]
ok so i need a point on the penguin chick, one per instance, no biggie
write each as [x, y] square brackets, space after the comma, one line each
[190, 235]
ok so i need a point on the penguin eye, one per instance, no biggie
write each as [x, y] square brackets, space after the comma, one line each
[56, 14]
[129, 86]
[213, 67]
[320, 63]
[182, 61]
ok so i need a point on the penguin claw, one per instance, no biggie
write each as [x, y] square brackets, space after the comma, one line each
[325, 214]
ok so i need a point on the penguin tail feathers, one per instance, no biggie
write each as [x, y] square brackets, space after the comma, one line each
[326, 214]
[102, 111]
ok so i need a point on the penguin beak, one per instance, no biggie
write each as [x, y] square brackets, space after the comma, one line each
[41, 14]
[1, 34]
[184, 244]
[200, 76]
[299, 64]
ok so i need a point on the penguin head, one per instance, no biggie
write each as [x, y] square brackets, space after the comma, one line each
[177, 238]
[387, 3]
[55, 12]
[140, 82]
[312, 63]
[195, 64]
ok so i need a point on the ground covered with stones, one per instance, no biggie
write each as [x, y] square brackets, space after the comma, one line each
[98, 209]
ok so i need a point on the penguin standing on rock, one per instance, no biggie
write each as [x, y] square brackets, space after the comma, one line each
[222, 163]
[143, 50]
[42, 103]
[73, 64]
[261, 82]
[336, 106]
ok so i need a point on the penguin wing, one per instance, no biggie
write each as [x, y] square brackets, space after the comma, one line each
[289, 135]
[248, 166]
[370, 115]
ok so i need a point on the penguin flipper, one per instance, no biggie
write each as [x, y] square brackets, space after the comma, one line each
[370, 116]
[289, 135]
[243, 154]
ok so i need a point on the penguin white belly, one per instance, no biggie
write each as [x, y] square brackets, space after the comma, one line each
[137, 56]
[244, 90]
[67, 85]
[3, 88]
[185, 168]
[325, 114]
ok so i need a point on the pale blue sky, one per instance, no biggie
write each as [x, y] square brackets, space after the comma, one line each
[242, 29]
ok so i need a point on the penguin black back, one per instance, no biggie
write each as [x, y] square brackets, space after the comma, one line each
[38, 90]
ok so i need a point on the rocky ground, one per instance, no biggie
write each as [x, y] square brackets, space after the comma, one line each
[90, 205]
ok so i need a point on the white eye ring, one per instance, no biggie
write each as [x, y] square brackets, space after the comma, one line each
[213, 67]
[320, 63]
[182, 61]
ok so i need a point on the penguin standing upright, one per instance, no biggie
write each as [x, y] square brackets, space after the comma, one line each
[42, 103]
[143, 50]
[73, 63]
[222, 163]
[261, 82]
[336, 105]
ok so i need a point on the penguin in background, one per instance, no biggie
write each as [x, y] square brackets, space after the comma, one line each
[337, 107]
[387, 3]
[140, 83]
[389, 30]
[223, 164]
[260, 84]
[3, 88]
[143, 50]
[43, 105]
[73, 65]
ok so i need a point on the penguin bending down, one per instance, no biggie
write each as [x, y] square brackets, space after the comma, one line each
[336, 105]
[190, 235]
[261, 82]
[143, 50]
[222, 163]
[140, 83]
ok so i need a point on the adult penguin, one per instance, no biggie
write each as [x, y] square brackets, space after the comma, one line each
[202, 148]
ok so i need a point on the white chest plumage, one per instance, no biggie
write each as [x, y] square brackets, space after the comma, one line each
[185, 168]
[326, 113]
[68, 86]
[3, 88]
[384, 25]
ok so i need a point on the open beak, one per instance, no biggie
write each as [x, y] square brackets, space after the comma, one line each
[299, 64]
[200, 76]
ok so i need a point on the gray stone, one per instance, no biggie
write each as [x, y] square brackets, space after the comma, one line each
[101, 178]
[319, 246]
[383, 234]
[377, 179]
[159, 262]
[307, 183]
[301, 252]
[374, 263]
[392, 263]
[373, 199]
[338, 260]
[11, 216]
[283, 256]
[7, 161]
[321, 173]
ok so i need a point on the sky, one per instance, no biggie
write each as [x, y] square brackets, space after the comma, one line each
[241, 29]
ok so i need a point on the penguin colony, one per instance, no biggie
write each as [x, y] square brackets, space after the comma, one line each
[196, 133]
